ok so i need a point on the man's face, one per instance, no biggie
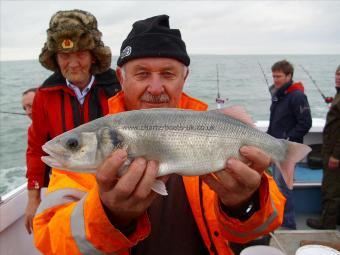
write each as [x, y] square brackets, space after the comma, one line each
[152, 83]
[280, 78]
[337, 79]
[27, 102]
[76, 66]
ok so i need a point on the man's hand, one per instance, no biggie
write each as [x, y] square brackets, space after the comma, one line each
[333, 163]
[32, 206]
[127, 197]
[238, 181]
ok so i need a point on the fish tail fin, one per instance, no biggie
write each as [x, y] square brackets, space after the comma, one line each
[159, 187]
[295, 153]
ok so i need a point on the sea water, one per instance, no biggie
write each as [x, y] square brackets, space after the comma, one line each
[240, 81]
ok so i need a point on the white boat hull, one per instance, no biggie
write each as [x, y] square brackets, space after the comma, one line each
[14, 239]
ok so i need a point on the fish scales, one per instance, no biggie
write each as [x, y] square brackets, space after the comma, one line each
[191, 143]
[182, 141]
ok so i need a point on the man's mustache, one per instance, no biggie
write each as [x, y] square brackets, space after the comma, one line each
[160, 99]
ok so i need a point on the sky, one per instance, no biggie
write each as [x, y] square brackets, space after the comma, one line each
[207, 27]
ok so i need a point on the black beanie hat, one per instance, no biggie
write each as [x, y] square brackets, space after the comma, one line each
[153, 37]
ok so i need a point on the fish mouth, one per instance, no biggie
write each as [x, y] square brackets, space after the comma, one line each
[52, 158]
[51, 162]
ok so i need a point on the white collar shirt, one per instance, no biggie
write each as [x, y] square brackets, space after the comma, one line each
[80, 94]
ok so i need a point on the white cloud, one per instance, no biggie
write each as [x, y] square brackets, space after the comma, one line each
[208, 27]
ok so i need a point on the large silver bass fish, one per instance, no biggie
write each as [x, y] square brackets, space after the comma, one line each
[184, 142]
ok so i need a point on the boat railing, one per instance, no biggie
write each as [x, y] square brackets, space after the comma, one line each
[13, 202]
[11, 194]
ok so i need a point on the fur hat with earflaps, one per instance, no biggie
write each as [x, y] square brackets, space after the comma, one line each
[72, 31]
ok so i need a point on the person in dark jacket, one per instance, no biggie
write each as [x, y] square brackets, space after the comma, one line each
[331, 165]
[74, 94]
[290, 119]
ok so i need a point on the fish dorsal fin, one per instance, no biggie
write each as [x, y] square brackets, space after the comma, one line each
[237, 112]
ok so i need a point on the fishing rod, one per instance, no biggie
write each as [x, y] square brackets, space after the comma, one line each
[270, 90]
[219, 100]
[327, 100]
[17, 113]
[264, 75]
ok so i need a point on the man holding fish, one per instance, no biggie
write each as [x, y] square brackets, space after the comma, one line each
[103, 192]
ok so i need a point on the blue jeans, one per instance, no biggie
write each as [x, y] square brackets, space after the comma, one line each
[289, 211]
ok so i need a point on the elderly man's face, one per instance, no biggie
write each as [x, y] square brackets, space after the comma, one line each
[76, 66]
[152, 82]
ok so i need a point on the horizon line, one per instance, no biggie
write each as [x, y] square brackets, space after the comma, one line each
[215, 54]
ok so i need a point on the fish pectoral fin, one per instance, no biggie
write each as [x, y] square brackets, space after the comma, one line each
[159, 187]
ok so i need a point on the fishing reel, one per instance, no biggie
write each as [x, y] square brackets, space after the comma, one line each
[328, 100]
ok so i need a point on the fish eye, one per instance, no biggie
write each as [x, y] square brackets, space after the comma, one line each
[72, 143]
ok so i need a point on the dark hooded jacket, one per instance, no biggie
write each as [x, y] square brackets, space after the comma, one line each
[290, 115]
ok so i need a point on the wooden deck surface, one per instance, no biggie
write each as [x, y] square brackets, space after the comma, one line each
[290, 239]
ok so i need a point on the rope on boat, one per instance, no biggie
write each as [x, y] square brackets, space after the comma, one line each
[277, 242]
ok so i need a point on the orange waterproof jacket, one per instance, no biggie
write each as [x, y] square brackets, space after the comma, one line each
[71, 219]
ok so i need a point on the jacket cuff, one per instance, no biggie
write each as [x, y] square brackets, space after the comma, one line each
[102, 233]
[246, 210]
[261, 222]
[36, 182]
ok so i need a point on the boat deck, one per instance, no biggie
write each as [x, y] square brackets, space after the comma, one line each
[307, 190]
[290, 240]
[307, 194]
[305, 176]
